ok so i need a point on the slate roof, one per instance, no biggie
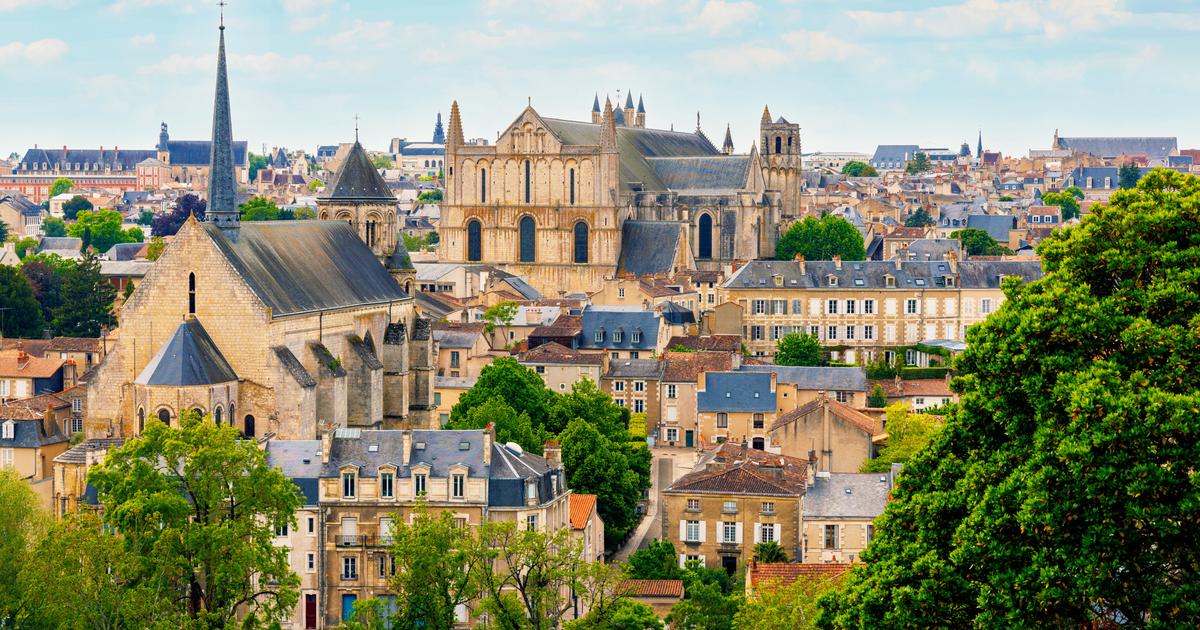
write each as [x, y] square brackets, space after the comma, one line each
[454, 382]
[22, 204]
[840, 410]
[124, 251]
[463, 338]
[686, 367]
[900, 153]
[554, 353]
[28, 434]
[60, 243]
[1151, 147]
[122, 160]
[847, 379]
[848, 495]
[300, 460]
[400, 258]
[31, 408]
[303, 266]
[996, 225]
[635, 144]
[716, 174]
[736, 392]
[523, 288]
[294, 367]
[196, 152]
[934, 248]
[609, 319]
[733, 469]
[190, 357]
[635, 368]
[441, 450]
[581, 508]
[648, 247]
[873, 273]
[78, 454]
[358, 180]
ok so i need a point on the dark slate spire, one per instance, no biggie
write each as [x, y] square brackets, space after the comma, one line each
[727, 148]
[439, 136]
[222, 187]
[596, 103]
[979, 151]
[641, 106]
[629, 100]
[357, 180]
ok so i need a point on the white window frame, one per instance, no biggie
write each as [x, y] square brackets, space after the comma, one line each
[458, 486]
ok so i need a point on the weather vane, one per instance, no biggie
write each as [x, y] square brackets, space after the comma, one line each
[221, 5]
[356, 127]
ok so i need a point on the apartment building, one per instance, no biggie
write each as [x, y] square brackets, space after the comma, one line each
[839, 514]
[866, 309]
[678, 415]
[736, 406]
[634, 384]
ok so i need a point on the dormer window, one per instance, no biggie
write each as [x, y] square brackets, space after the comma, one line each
[833, 281]
[617, 336]
[778, 280]
[890, 282]
[637, 336]
[9, 430]
[531, 493]
[600, 335]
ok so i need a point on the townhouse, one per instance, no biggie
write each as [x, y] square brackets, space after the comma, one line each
[677, 425]
[560, 366]
[736, 406]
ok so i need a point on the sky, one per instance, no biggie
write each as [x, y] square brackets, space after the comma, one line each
[851, 73]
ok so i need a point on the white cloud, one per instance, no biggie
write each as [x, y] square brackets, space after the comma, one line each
[305, 15]
[11, 5]
[973, 18]
[719, 16]
[820, 46]
[262, 64]
[794, 46]
[39, 51]
[362, 32]
[143, 40]
[125, 5]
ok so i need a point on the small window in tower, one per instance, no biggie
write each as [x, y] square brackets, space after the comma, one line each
[191, 293]
[778, 144]
[528, 178]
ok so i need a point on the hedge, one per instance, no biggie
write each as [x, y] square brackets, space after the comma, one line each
[913, 373]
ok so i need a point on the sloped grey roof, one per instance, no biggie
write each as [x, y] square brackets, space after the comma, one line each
[635, 145]
[736, 391]
[357, 180]
[365, 352]
[635, 368]
[1113, 147]
[294, 367]
[456, 338]
[60, 243]
[717, 173]
[816, 378]
[894, 153]
[522, 287]
[303, 266]
[300, 460]
[124, 251]
[28, 434]
[873, 273]
[648, 247]
[22, 204]
[934, 248]
[190, 357]
[441, 451]
[867, 496]
[610, 319]
[399, 258]
[996, 225]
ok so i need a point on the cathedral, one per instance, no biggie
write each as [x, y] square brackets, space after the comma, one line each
[568, 203]
[277, 328]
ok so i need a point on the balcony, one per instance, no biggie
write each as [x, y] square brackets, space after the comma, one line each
[350, 540]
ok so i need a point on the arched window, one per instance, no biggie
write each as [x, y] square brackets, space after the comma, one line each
[426, 163]
[232, 414]
[766, 146]
[164, 416]
[528, 234]
[528, 177]
[704, 237]
[571, 174]
[217, 415]
[581, 242]
[191, 293]
[141, 420]
[474, 240]
[789, 141]
[483, 185]
[248, 426]
[778, 144]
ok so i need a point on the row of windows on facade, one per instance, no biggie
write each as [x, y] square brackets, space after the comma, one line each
[848, 307]
[618, 335]
[847, 333]
[420, 486]
[528, 238]
[164, 415]
[731, 533]
[483, 184]
[79, 166]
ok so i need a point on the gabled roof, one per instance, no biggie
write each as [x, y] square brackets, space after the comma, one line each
[582, 506]
[714, 174]
[850, 415]
[300, 460]
[848, 495]
[554, 353]
[736, 392]
[190, 357]
[686, 367]
[635, 368]
[652, 588]
[357, 180]
[31, 408]
[826, 378]
[28, 434]
[1114, 147]
[785, 573]
[608, 319]
[648, 247]
[19, 364]
[735, 469]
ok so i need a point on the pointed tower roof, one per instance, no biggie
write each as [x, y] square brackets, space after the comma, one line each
[456, 133]
[979, 151]
[641, 105]
[619, 116]
[728, 146]
[608, 128]
[358, 180]
[596, 103]
[190, 357]
[629, 100]
[439, 136]
[222, 187]
[766, 118]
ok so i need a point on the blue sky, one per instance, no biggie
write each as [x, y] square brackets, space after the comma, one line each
[852, 73]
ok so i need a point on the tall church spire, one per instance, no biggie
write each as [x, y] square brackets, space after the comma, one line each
[222, 187]
[979, 151]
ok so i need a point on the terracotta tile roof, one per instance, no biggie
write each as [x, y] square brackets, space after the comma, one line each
[582, 507]
[702, 275]
[845, 412]
[735, 469]
[686, 367]
[914, 387]
[35, 347]
[564, 326]
[652, 588]
[554, 352]
[74, 344]
[906, 232]
[720, 343]
[18, 364]
[785, 573]
[31, 408]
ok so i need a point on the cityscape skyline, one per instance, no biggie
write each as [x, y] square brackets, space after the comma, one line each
[301, 70]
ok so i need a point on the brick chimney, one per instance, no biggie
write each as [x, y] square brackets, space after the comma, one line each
[406, 443]
[837, 262]
[489, 437]
[327, 443]
[22, 359]
[800, 259]
[49, 426]
[552, 453]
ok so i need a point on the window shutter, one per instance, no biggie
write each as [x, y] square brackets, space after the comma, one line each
[682, 560]
[737, 532]
[682, 531]
[778, 533]
[703, 531]
[757, 533]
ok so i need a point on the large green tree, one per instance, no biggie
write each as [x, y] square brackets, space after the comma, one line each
[978, 242]
[919, 164]
[510, 425]
[907, 434]
[623, 614]
[1062, 490]
[54, 226]
[73, 206]
[105, 229]
[86, 301]
[616, 472]
[1068, 202]
[511, 382]
[22, 523]
[22, 314]
[855, 168]
[434, 566]
[259, 209]
[657, 561]
[60, 186]
[705, 608]
[3, 232]
[45, 273]
[199, 507]
[776, 606]
[920, 218]
[821, 239]
[1128, 175]
[798, 349]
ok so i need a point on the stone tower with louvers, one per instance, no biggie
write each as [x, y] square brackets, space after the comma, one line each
[781, 158]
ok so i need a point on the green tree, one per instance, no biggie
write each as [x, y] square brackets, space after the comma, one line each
[146, 218]
[54, 226]
[919, 164]
[511, 382]
[432, 238]
[22, 316]
[979, 243]
[430, 196]
[770, 551]
[315, 184]
[510, 425]
[798, 349]
[705, 608]
[907, 432]
[596, 465]
[1006, 198]
[774, 606]
[1074, 192]
[45, 273]
[84, 577]
[25, 245]
[257, 163]
[623, 614]
[104, 228]
[259, 209]
[501, 314]
[588, 402]
[199, 507]
[382, 162]
[1062, 490]
[60, 186]
[1128, 175]
[434, 565]
[155, 248]
[413, 243]
[821, 239]
[657, 561]
[3, 232]
[920, 218]
[854, 168]
[23, 522]
[304, 213]
[75, 205]
[1064, 200]
[878, 398]
[87, 301]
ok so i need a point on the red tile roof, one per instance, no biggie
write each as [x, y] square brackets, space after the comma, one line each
[686, 367]
[839, 410]
[652, 588]
[31, 408]
[582, 506]
[913, 387]
[785, 573]
[735, 469]
[556, 353]
[18, 364]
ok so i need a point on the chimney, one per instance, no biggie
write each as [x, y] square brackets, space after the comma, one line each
[22, 359]
[406, 443]
[64, 155]
[837, 262]
[489, 437]
[49, 427]
[552, 452]
[800, 259]
[899, 258]
[326, 443]
[899, 383]
[952, 258]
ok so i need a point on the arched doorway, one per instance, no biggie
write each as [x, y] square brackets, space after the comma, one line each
[704, 237]
[248, 426]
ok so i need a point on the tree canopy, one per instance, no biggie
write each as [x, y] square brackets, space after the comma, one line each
[821, 239]
[1062, 489]
[259, 209]
[1128, 175]
[54, 226]
[855, 168]
[74, 206]
[920, 218]
[105, 229]
[799, 349]
[979, 243]
[23, 314]
[60, 186]
[795, 606]
[1065, 200]
[919, 164]
[87, 301]
[168, 224]
[907, 434]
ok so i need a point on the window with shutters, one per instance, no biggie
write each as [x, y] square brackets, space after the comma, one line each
[985, 306]
[766, 532]
[831, 332]
[831, 307]
[728, 533]
[692, 531]
[760, 307]
[849, 332]
[851, 307]
[910, 307]
[868, 332]
[796, 307]
[779, 307]
[868, 307]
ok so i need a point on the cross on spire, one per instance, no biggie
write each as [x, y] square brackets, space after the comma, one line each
[221, 5]
[356, 127]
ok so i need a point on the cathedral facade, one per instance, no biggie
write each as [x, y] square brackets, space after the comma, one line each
[568, 203]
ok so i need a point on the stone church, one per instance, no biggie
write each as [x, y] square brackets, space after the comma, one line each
[274, 327]
[569, 203]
